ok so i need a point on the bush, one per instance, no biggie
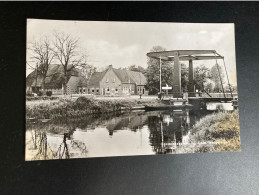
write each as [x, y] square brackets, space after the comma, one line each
[221, 129]
[39, 93]
[49, 93]
[32, 98]
[29, 94]
[84, 100]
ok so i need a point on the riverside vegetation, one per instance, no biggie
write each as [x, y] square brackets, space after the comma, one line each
[62, 108]
[217, 132]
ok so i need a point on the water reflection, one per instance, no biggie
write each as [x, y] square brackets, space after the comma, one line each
[138, 133]
[43, 144]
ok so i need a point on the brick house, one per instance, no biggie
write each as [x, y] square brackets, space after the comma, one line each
[117, 82]
[55, 79]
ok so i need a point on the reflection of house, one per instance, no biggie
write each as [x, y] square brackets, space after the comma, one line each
[117, 82]
[55, 79]
[132, 122]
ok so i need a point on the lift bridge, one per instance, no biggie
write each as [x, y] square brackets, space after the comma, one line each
[190, 55]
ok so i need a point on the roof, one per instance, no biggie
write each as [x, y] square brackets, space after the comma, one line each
[82, 82]
[96, 78]
[125, 76]
[54, 79]
[138, 77]
[76, 81]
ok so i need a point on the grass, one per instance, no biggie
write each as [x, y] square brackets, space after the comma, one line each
[62, 108]
[217, 132]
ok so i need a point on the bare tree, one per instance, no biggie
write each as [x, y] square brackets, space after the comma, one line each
[43, 55]
[67, 52]
[87, 71]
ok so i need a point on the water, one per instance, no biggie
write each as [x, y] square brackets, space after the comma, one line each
[119, 134]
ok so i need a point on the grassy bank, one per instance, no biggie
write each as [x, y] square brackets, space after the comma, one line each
[217, 132]
[62, 108]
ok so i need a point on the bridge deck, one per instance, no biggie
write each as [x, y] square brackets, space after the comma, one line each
[212, 99]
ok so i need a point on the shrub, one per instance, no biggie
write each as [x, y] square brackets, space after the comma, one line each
[227, 126]
[84, 100]
[220, 130]
[39, 93]
[49, 93]
[32, 98]
[29, 94]
[228, 145]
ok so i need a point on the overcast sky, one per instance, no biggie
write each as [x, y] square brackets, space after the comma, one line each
[125, 43]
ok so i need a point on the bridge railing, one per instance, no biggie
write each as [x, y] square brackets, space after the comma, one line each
[219, 95]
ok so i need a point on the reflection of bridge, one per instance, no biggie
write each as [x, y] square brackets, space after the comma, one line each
[189, 55]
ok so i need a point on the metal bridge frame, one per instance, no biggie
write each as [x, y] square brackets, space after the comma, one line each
[186, 55]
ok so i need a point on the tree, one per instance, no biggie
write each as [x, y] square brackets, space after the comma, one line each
[215, 77]
[67, 52]
[209, 86]
[201, 74]
[43, 55]
[184, 77]
[153, 72]
[137, 68]
[87, 71]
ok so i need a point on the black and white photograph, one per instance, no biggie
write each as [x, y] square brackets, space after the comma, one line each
[105, 89]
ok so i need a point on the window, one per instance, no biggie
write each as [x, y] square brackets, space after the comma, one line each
[116, 89]
[92, 90]
[107, 80]
[84, 90]
[107, 89]
[113, 80]
[97, 90]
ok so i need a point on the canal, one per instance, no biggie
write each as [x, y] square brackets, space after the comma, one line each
[117, 134]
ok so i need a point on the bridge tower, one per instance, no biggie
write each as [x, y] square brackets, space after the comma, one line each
[177, 88]
[191, 90]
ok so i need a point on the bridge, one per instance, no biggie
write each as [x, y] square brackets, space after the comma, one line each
[190, 55]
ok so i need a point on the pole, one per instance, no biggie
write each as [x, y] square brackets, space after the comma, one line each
[227, 78]
[220, 76]
[160, 75]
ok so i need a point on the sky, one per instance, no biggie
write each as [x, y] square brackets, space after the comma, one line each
[122, 44]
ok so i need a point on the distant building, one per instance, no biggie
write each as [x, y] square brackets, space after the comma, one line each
[117, 82]
[55, 80]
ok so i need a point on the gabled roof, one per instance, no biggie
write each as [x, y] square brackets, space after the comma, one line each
[54, 79]
[125, 76]
[138, 77]
[82, 82]
[76, 81]
[96, 78]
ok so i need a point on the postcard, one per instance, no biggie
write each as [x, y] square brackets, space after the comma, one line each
[105, 89]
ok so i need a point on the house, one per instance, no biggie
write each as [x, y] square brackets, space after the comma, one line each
[117, 82]
[55, 80]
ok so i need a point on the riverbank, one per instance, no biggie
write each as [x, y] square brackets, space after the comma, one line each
[62, 108]
[217, 132]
